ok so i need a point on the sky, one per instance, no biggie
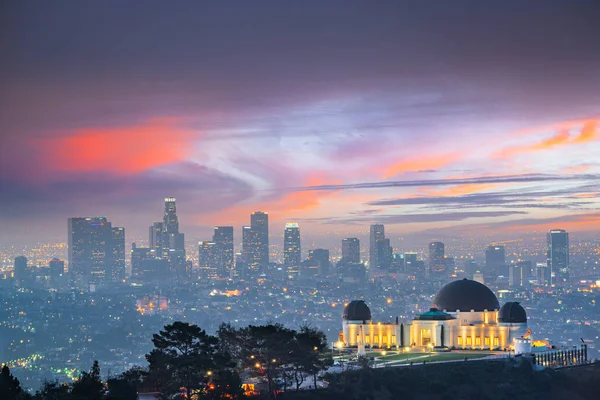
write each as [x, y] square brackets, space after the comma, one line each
[432, 117]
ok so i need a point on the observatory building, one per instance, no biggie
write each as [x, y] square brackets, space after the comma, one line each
[465, 314]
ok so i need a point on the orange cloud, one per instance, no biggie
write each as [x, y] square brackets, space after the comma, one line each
[588, 132]
[420, 164]
[120, 150]
[562, 137]
[291, 205]
[458, 190]
[575, 223]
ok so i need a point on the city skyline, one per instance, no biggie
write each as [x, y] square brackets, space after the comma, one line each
[497, 134]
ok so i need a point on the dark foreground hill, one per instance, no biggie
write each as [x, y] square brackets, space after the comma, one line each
[465, 380]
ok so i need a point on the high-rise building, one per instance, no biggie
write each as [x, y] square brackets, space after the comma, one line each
[117, 268]
[351, 250]
[259, 221]
[411, 265]
[377, 234]
[542, 274]
[208, 259]
[21, 272]
[146, 266]
[384, 253]
[557, 255]
[91, 249]
[518, 273]
[292, 253]
[436, 258]
[156, 237]
[321, 257]
[170, 221]
[57, 272]
[255, 243]
[168, 242]
[495, 260]
[223, 239]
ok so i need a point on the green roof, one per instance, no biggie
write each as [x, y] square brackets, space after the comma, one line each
[434, 315]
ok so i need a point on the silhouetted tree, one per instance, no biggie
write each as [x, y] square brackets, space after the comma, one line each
[314, 353]
[182, 356]
[10, 387]
[53, 391]
[121, 389]
[89, 386]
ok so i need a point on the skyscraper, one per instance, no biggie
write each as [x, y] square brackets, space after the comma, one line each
[223, 239]
[557, 255]
[351, 250]
[156, 237]
[170, 243]
[208, 259]
[495, 260]
[21, 272]
[377, 234]
[292, 254]
[436, 258]
[321, 258]
[117, 267]
[384, 253]
[57, 271]
[91, 249]
[259, 221]
[171, 223]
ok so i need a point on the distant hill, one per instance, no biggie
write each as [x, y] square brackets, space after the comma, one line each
[477, 380]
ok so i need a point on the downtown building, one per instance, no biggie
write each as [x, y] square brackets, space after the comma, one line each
[255, 245]
[292, 250]
[437, 263]
[96, 251]
[557, 256]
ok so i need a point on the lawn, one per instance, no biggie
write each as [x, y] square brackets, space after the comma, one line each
[420, 357]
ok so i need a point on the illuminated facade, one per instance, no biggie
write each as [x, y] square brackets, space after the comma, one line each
[292, 249]
[436, 258]
[465, 315]
[558, 255]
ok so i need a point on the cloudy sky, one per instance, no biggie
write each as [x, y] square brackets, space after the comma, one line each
[428, 116]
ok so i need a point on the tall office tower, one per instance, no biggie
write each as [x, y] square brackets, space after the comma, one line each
[470, 268]
[250, 254]
[117, 269]
[208, 259]
[170, 221]
[351, 250]
[320, 257]
[384, 253]
[377, 234]
[169, 243]
[20, 272]
[542, 274]
[557, 255]
[292, 253]
[259, 221]
[437, 265]
[516, 276]
[91, 249]
[157, 237]
[495, 260]
[411, 265]
[223, 239]
[57, 271]
[141, 266]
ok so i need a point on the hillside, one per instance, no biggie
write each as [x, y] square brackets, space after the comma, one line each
[481, 380]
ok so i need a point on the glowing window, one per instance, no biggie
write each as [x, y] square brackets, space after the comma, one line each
[496, 342]
[487, 341]
[478, 341]
[460, 340]
[469, 341]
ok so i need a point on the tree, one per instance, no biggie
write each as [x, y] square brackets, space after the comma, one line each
[266, 351]
[89, 386]
[182, 357]
[121, 389]
[10, 387]
[314, 355]
[53, 391]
